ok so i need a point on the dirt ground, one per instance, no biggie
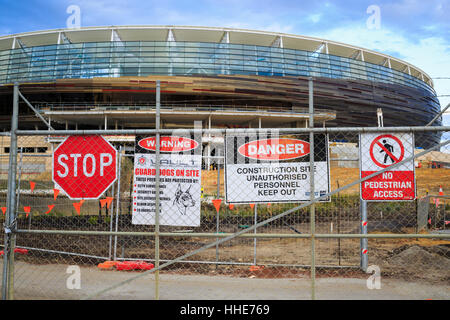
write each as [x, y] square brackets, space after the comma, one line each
[52, 281]
[412, 268]
[426, 260]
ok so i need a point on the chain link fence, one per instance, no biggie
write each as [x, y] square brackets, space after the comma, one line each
[236, 223]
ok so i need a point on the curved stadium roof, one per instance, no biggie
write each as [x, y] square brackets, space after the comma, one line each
[213, 35]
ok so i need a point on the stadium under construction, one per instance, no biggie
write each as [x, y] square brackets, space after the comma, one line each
[105, 78]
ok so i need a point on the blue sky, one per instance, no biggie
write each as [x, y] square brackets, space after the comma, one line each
[417, 31]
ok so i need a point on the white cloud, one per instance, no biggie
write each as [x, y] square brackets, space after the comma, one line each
[314, 18]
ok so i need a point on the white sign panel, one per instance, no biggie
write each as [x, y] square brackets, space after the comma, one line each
[180, 181]
[270, 170]
[382, 150]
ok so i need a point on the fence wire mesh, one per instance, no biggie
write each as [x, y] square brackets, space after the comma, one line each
[72, 244]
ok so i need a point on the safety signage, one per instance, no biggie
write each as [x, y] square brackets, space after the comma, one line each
[382, 150]
[267, 169]
[180, 181]
[84, 166]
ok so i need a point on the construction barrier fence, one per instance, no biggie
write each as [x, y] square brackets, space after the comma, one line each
[249, 212]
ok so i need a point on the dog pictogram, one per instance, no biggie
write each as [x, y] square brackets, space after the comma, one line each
[183, 199]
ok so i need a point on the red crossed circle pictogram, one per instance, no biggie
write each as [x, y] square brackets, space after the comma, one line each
[377, 142]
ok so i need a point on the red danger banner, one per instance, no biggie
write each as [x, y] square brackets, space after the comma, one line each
[275, 149]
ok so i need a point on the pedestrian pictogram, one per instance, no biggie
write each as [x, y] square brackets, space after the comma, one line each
[386, 150]
[381, 151]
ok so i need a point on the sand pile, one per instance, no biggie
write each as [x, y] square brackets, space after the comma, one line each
[423, 262]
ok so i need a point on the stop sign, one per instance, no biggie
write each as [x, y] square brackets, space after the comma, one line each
[84, 166]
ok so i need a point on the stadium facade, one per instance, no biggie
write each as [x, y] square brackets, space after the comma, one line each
[105, 77]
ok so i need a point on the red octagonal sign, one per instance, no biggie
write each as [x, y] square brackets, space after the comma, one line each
[84, 166]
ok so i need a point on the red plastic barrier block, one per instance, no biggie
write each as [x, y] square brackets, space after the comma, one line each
[22, 251]
[126, 265]
[16, 250]
[146, 266]
[133, 265]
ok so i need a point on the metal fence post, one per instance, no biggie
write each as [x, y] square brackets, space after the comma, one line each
[19, 175]
[9, 227]
[364, 241]
[254, 231]
[157, 176]
[111, 218]
[118, 202]
[312, 189]
[218, 197]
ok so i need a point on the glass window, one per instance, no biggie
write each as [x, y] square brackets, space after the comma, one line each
[66, 60]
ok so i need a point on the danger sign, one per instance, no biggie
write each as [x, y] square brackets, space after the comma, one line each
[274, 149]
[262, 169]
[380, 151]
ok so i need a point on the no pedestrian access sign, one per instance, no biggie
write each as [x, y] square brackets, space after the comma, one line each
[382, 150]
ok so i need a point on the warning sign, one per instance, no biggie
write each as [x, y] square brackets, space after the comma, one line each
[380, 151]
[180, 181]
[261, 169]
